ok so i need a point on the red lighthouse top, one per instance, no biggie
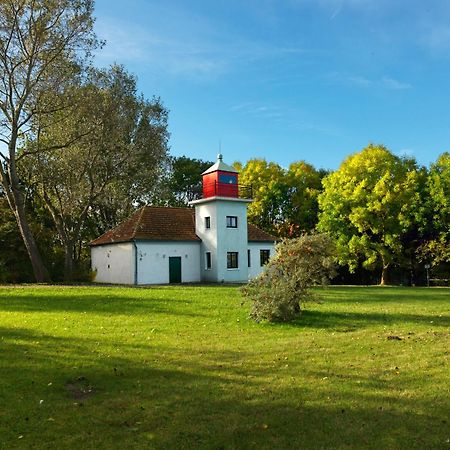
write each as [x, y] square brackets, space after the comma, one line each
[220, 180]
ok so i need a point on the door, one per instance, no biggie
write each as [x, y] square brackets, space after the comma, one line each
[175, 269]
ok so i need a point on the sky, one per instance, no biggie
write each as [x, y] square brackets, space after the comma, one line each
[289, 80]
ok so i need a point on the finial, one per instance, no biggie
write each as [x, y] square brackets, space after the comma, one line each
[219, 156]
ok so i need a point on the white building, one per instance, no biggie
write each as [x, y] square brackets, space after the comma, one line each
[210, 242]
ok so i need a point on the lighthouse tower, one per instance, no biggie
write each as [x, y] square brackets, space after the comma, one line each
[221, 224]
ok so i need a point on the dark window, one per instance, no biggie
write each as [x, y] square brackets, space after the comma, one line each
[208, 260]
[228, 179]
[231, 222]
[264, 256]
[207, 222]
[232, 260]
[248, 258]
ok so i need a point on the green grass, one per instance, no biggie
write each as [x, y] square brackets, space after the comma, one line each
[183, 367]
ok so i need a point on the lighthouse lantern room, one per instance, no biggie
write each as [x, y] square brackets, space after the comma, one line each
[220, 180]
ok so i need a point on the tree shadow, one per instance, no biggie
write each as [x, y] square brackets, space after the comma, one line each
[351, 321]
[96, 303]
[163, 398]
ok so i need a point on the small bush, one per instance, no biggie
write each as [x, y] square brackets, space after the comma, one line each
[279, 292]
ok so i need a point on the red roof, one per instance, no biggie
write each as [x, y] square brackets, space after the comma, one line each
[155, 223]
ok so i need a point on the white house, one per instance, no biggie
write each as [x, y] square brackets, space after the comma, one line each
[210, 241]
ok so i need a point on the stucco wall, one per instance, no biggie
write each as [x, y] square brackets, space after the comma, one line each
[153, 261]
[255, 265]
[219, 240]
[113, 263]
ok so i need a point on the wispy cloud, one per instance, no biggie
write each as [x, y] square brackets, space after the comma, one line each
[384, 82]
[197, 56]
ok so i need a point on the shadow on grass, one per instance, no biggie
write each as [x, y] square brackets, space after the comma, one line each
[93, 303]
[350, 321]
[384, 294]
[163, 398]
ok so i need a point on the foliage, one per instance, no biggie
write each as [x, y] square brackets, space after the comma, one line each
[112, 164]
[285, 283]
[114, 367]
[368, 205]
[184, 181]
[284, 201]
[43, 46]
[436, 249]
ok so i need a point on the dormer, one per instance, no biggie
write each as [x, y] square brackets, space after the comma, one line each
[220, 180]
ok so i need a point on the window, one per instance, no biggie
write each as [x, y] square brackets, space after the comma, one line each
[231, 222]
[248, 258]
[264, 256]
[208, 260]
[232, 260]
[207, 222]
[228, 179]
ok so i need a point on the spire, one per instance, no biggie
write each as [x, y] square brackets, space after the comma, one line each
[220, 165]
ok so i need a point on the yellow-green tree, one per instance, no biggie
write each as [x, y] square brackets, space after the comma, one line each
[368, 205]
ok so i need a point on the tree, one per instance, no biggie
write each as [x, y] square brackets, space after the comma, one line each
[436, 249]
[270, 192]
[43, 44]
[368, 205]
[184, 182]
[285, 283]
[121, 146]
[304, 185]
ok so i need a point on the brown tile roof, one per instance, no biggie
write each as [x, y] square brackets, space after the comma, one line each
[157, 223]
[153, 223]
[256, 234]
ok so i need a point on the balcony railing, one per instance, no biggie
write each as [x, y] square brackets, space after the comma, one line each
[227, 190]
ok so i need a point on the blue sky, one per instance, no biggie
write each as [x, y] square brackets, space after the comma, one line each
[288, 80]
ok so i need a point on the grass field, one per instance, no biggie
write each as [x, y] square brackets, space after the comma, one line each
[183, 367]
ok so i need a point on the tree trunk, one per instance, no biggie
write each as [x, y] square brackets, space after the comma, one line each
[68, 261]
[384, 275]
[39, 269]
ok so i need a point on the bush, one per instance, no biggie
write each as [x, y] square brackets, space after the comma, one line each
[280, 290]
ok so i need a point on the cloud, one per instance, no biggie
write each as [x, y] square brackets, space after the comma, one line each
[391, 83]
[384, 82]
[204, 54]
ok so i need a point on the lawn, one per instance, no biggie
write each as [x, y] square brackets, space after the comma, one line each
[184, 367]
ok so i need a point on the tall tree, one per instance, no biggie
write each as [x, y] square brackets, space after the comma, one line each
[43, 43]
[436, 249]
[368, 205]
[270, 192]
[115, 161]
[184, 181]
[305, 184]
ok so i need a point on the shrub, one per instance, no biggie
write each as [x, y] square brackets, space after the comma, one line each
[280, 290]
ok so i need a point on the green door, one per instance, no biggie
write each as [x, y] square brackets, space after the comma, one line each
[175, 269]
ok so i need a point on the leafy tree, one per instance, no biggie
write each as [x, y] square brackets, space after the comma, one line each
[184, 181]
[114, 162]
[436, 249]
[43, 44]
[285, 201]
[284, 285]
[368, 205]
[304, 185]
[270, 192]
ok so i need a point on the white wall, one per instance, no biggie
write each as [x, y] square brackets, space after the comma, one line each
[219, 240]
[113, 263]
[255, 262]
[153, 261]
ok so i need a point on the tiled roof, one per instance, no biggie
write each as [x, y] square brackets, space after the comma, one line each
[258, 235]
[155, 223]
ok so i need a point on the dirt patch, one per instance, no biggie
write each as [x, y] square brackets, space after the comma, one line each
[80, 388]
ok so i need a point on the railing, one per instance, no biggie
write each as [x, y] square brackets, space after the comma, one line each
[227, 190]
